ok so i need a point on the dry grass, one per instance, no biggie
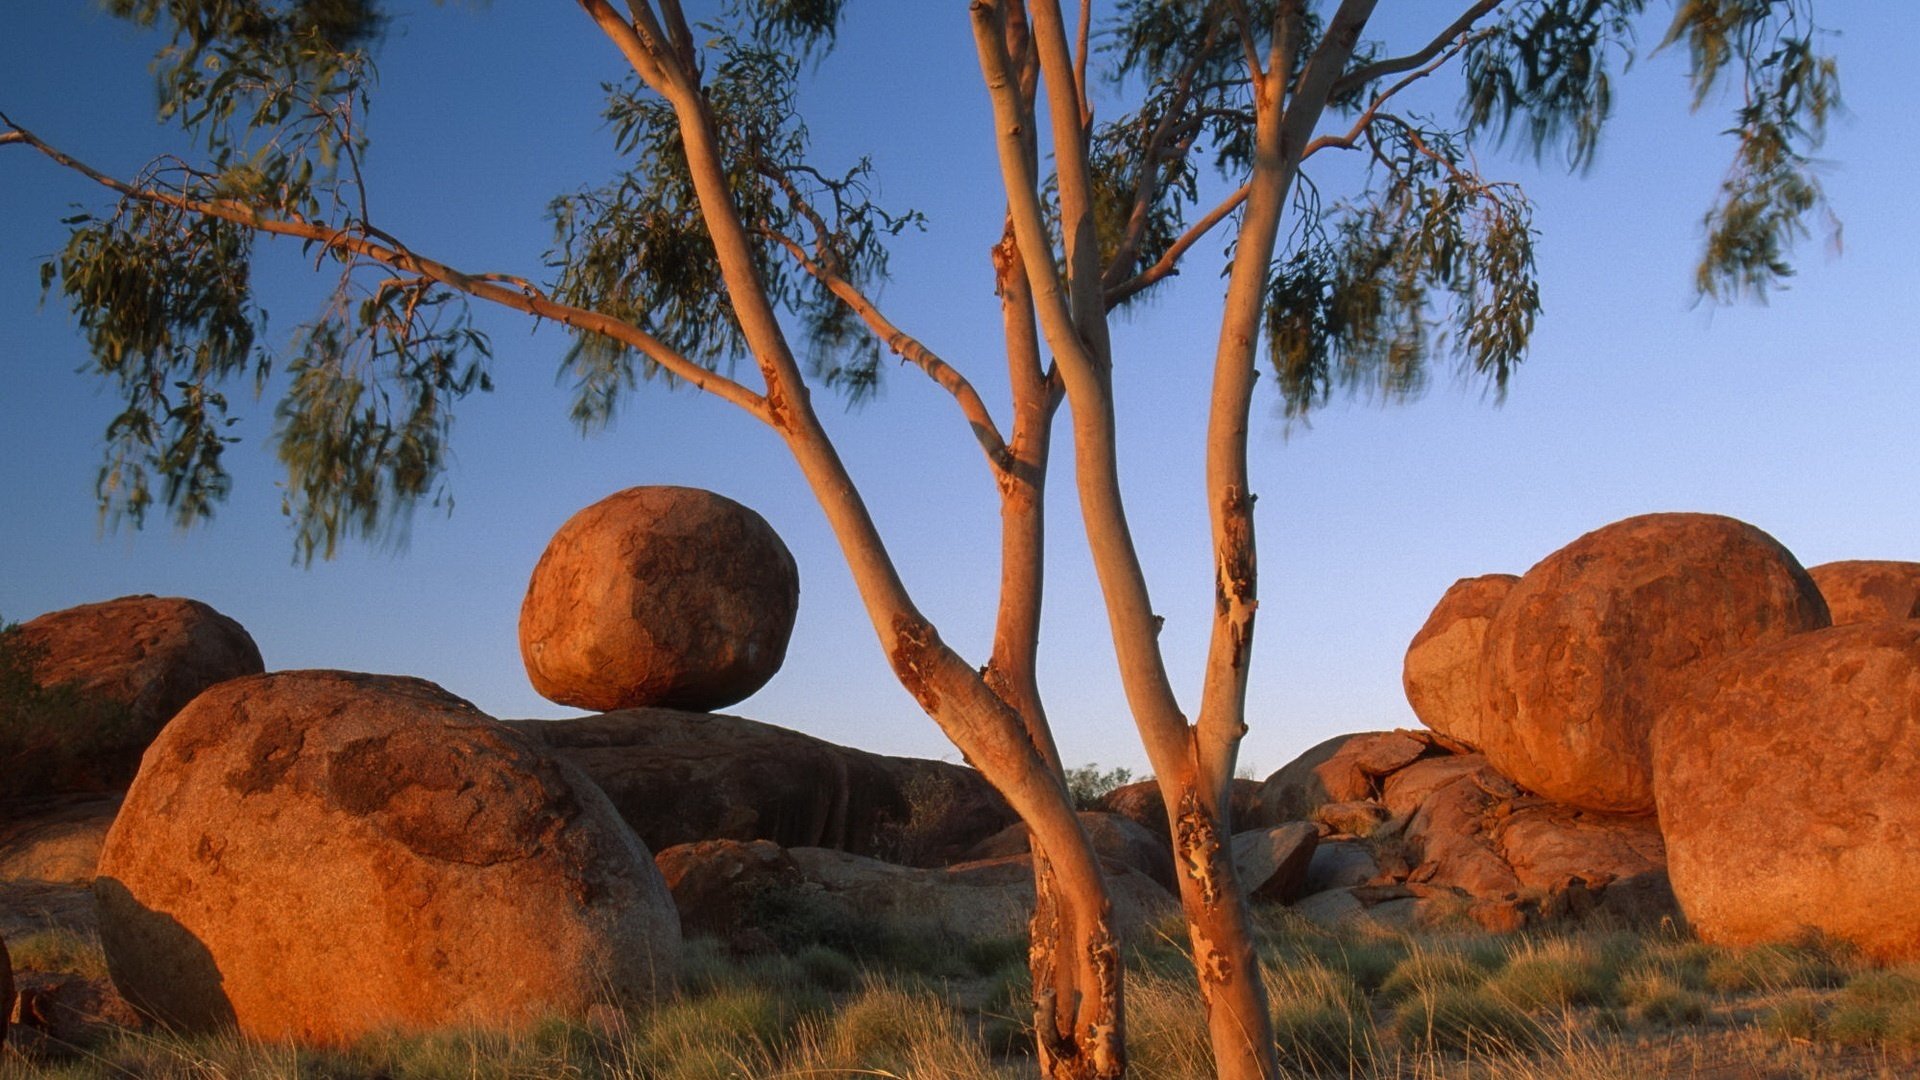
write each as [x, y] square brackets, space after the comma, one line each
[1360, 1005]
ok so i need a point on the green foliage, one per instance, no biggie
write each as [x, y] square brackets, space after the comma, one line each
[1351, 306]
[163, 298]
[638, 248]
[1088, 784]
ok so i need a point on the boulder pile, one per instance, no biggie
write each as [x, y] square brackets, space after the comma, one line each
[1687, 664]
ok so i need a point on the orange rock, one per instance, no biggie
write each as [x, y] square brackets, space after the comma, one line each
[314, 856]
[1865, 590]
[1344, 768]
[1604, 634]
[132, 663]
[1441, 673]
[1789, 791]
[664, 596]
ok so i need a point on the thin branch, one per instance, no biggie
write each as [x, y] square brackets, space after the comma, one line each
[1146, 184]
[521, 297]
[1084, 33]
[640, 40]
[909, 348]
[1366, 119]
[1380, 69]
[1243, 19]
[1169, 262]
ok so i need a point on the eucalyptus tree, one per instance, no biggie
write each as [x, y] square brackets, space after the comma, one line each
[720, 241]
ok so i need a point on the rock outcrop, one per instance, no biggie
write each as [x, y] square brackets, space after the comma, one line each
[1603, 635]
[1868, 590]
[1345, 768]
[1443, 838]
[1441, 673]
[55, 839]
[1115, 839]
[1272, 863]
[112, 674]
[314, 856]
[722, 887]
[665, 596]
[1787, 788]
[973, 901]
[1141, 803]
[679, 777]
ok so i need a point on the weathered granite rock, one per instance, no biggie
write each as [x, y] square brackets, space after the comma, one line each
[1441, 674]
[1272, 863]
[679, 777]
[665, 596]
[1115, 839]
[1787, 791]
[314, 856]
[1142, 804]
[54, 839]
[1868, 590]
[718, 885]
[1603, 635]
[1341, 769]
[125, 667]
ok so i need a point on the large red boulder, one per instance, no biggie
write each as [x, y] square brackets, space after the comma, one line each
[1441, 673]
[107, 677]
[316, 856]
[1789, 791]
[1866, 590]
[665, 596]
[679, 777]
[1603, 636]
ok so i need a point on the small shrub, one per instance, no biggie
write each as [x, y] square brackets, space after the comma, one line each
[827, 969]
[1089, 783]
[1554, 975]
[52, 736]
[1766, 968]
[1799, 1016]
[1884, 987]
[1653, 996]
[1428, 970]
[914, 838]
[1462, 1018]
[906, 1032]
[1853, 1022]
[1320, 1018]
[59, 950]
[1166, 1028]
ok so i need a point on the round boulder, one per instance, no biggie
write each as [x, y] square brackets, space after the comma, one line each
[666, 596]
[1786, 786]
[1442, 670]
[1604, 634]
[314, 856]
[1867, 590]
[108, 676]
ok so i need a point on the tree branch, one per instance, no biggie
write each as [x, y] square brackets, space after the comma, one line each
[1372, 113]
[1169, 263]
[911, 349]
[1380, 69]
[521, 296]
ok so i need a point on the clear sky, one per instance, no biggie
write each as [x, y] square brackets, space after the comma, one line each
[1798, 416]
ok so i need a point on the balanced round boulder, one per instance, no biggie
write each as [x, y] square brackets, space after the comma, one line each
[1442, 670]
[1787, 790]
[666, 596]
[1866, 590]
[314, 856]
[107, 677]
[1603, 635]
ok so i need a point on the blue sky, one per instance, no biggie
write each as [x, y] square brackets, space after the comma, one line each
[1797, 415]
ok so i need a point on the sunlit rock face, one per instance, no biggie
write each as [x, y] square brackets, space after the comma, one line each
[316, 856]
[1868, 590]
[1603, 635]
[1787, 786]
[665, 596]
[129, 664]
[1441, 674]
